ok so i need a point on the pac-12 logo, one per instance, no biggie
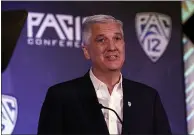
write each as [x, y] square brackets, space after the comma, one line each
[153, 32]
[9, 114]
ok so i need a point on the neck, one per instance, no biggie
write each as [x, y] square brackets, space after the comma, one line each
[110, 78]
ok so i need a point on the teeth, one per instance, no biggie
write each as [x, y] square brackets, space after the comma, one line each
[112, 57]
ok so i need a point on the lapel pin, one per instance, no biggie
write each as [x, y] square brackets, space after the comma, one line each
[129, 104]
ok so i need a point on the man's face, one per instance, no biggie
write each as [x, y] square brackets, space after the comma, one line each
[106, 47]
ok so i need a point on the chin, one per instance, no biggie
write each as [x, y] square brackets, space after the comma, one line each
[114, 68]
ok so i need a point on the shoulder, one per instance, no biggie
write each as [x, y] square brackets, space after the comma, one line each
[140, 88]
[67, 84]
[65, 88]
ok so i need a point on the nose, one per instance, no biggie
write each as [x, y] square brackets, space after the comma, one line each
[111, 45]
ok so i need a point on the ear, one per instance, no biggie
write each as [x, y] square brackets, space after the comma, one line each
[86, 53]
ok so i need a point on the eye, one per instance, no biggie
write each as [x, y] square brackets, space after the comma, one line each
[100, 40]
[117, 38]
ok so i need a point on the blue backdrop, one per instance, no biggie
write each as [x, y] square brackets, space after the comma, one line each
[49, 51]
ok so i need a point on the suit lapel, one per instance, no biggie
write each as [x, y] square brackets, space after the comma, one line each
[128, 99]
[93, 114]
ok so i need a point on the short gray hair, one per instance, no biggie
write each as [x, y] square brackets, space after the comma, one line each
[86, 26]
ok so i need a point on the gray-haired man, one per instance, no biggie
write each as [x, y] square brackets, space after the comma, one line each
[73, 107]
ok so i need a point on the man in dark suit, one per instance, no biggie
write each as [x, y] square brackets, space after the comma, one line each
[73, 107]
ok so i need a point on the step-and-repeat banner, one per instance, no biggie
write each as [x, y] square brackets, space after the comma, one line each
[49, 52]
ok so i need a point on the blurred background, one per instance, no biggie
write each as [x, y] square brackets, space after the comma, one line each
[159, 53]
[188, 57]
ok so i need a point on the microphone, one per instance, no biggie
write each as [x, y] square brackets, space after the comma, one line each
[101, 107]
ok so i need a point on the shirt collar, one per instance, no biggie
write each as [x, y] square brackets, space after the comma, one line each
[97, 83]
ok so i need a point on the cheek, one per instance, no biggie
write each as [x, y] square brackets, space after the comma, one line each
[122, 48]
[122, 51]
[100, 51]
[97, 52]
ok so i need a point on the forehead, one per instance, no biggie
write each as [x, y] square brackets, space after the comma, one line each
[106, 28]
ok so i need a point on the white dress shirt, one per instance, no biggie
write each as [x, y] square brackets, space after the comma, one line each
[113, 101]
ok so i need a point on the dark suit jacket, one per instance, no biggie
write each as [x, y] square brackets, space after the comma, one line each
[72, 108]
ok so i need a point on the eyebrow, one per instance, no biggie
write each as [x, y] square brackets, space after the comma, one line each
[117, 33]
[100, 35]
[120, 34]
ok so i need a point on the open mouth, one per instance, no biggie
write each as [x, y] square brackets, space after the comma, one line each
[112, 57]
